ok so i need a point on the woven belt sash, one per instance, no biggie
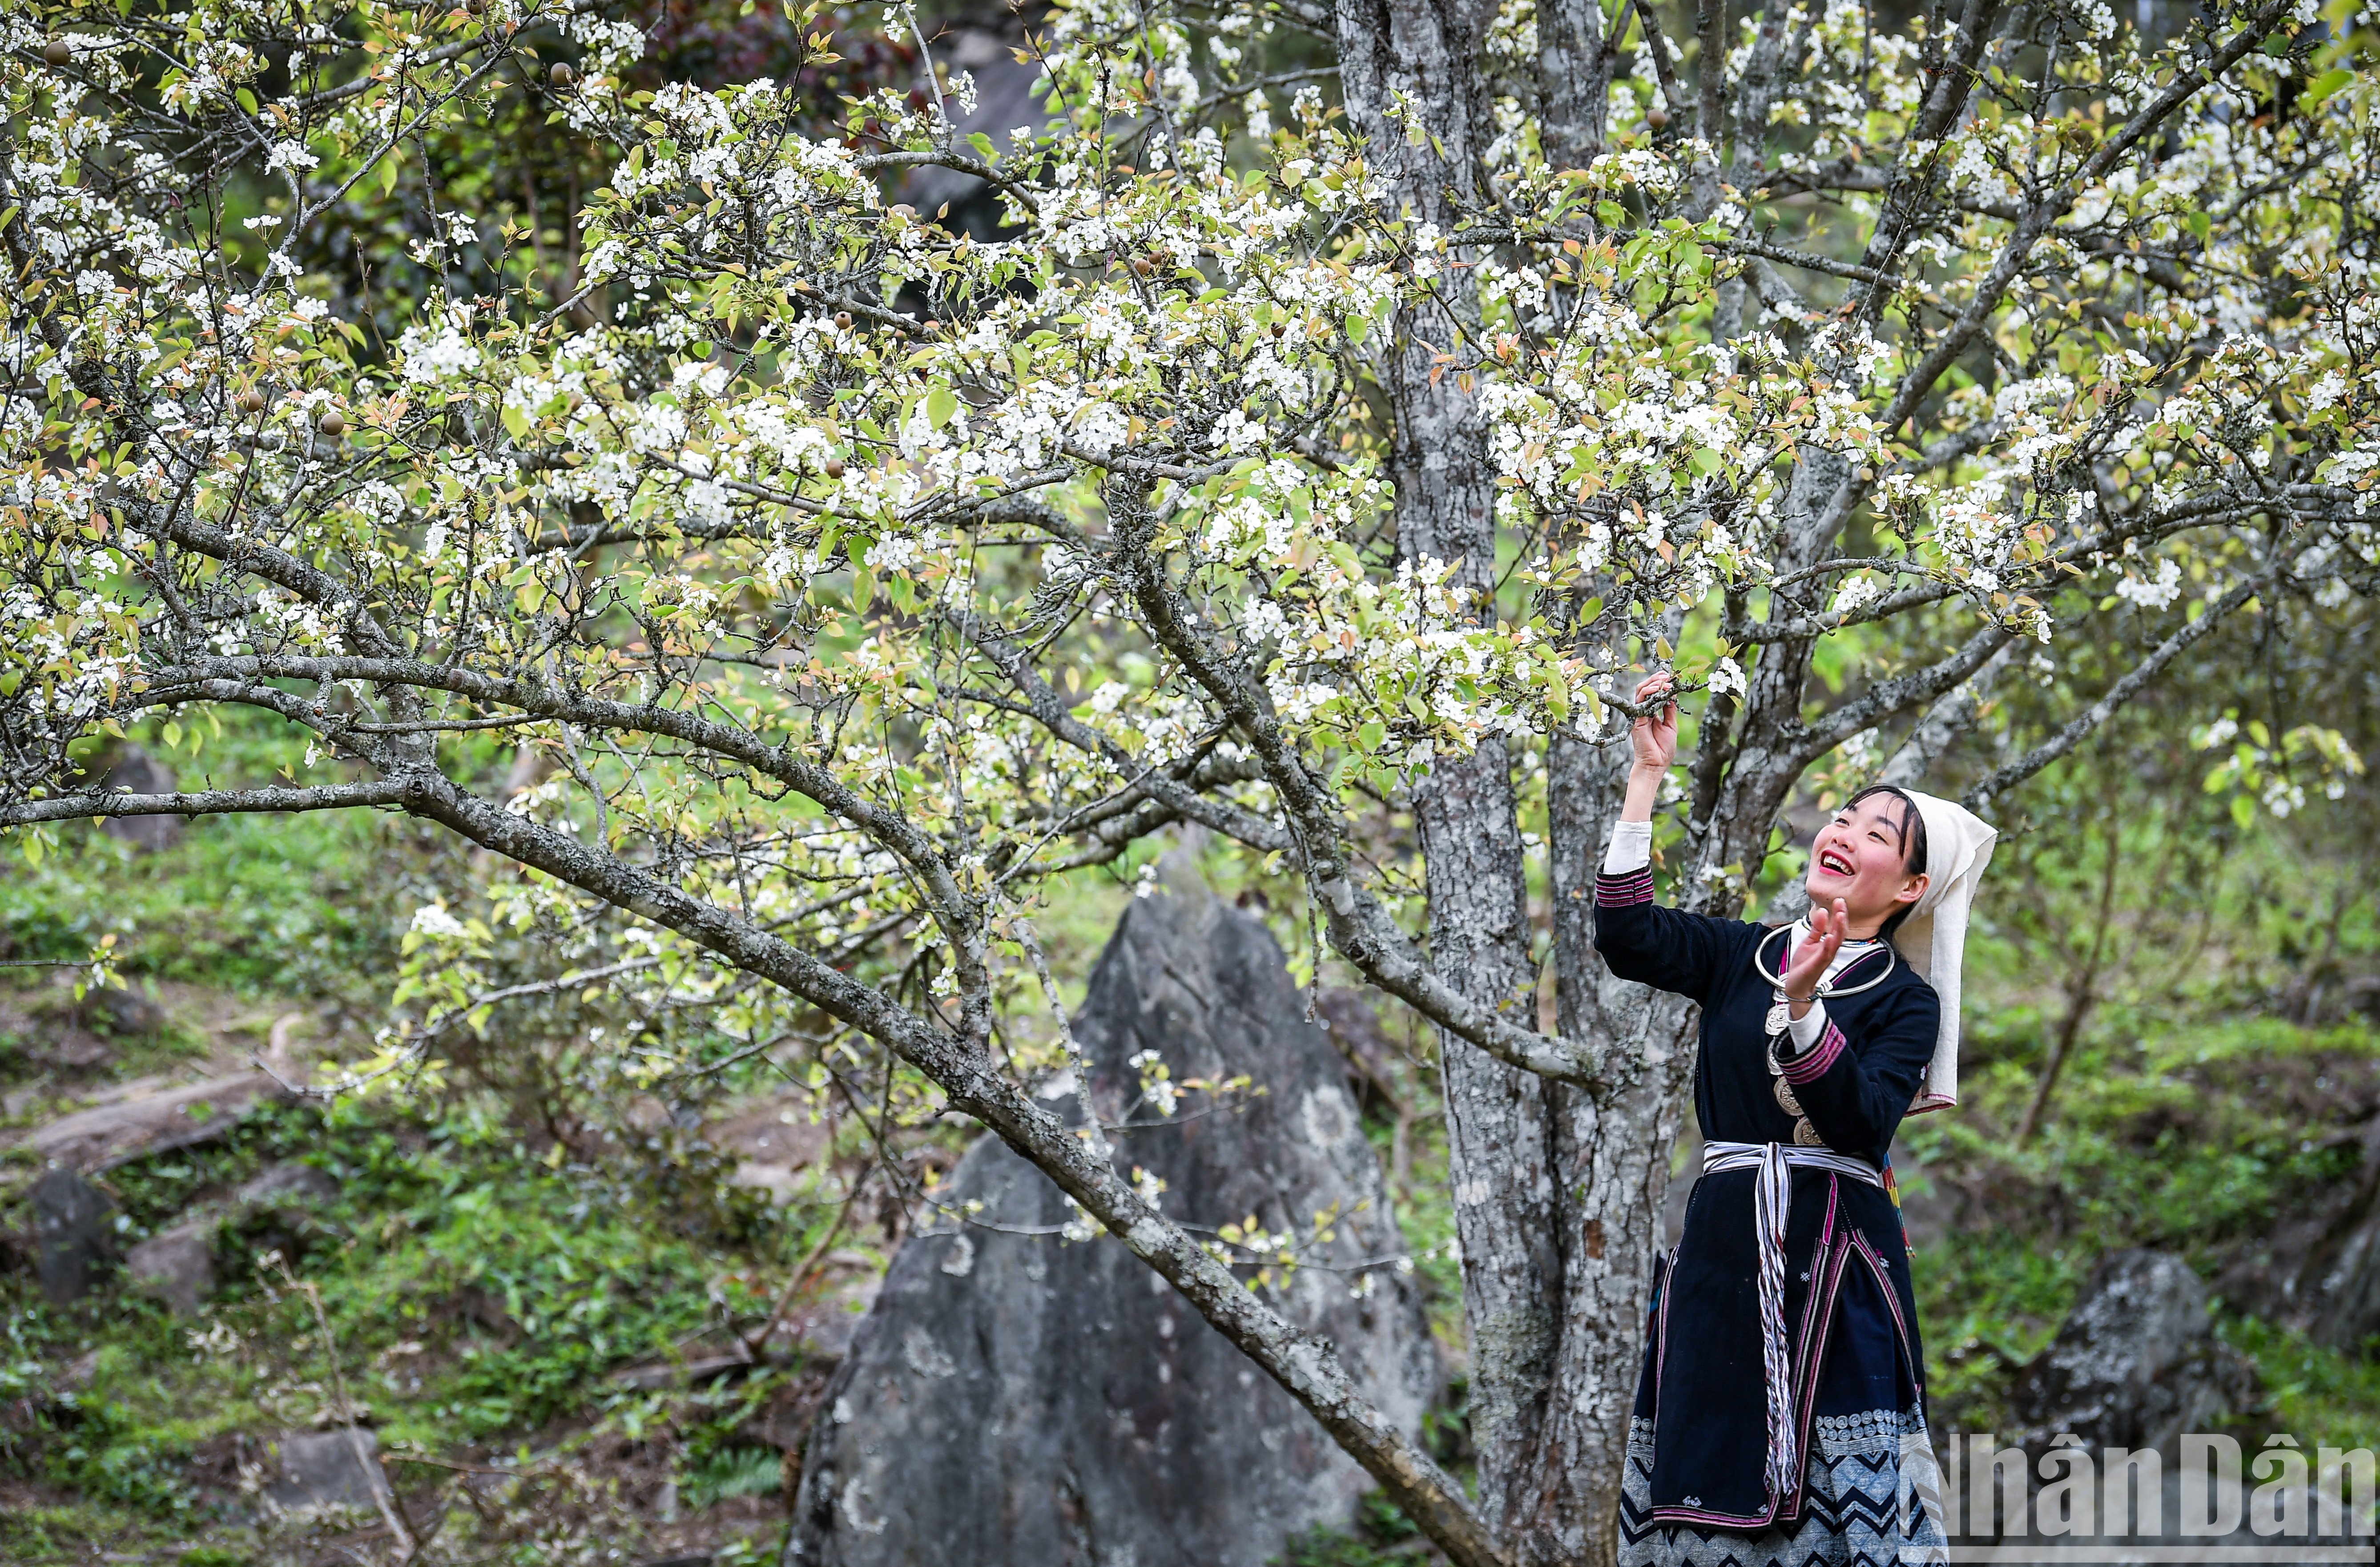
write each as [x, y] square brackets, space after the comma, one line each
[1772, 1197]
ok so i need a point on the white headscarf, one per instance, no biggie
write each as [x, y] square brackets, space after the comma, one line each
[1933, 937]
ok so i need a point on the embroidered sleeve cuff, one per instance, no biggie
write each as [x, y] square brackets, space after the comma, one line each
[1631, 848]
[1623, 892]
[1812, 1065]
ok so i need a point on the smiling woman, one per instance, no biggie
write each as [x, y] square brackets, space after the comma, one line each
[1816, 1039]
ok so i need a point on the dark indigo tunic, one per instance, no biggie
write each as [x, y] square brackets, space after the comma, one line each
[1699, 1442]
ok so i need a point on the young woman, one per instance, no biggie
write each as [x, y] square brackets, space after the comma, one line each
[1781, 1415]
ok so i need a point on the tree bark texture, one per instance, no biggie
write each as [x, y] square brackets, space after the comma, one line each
[1499, 1125]
[1557, 1192]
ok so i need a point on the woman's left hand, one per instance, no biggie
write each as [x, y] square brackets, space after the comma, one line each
[1828, 928]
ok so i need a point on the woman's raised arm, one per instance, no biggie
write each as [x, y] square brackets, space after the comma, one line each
[1639, 939]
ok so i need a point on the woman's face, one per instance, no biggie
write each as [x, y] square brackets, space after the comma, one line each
[1862, 858]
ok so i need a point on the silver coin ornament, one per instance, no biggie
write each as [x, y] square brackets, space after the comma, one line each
[1779, 1016]
[1807, 1134]
[1785, 1099]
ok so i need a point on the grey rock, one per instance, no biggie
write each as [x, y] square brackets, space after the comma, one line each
[135, 772]
[2318, 1268]
[323, 1469]
[177, 1266]
[106, 1135]
[71, 1225]
[2348, 1292]
[2136, 1363]
[286, 1184]
[122, 1013]
[1017, 1399]
[1005, 99]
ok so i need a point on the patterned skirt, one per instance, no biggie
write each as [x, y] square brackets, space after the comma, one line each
[1871, 1490]
[1872, 1499]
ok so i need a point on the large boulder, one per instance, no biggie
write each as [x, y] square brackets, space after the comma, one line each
[135, 772]
[177, 1266]
[2136, 1363]
[288, 1186]
[108, 1135]
[1016, 1399]
[322, 1469]
[73, 1225]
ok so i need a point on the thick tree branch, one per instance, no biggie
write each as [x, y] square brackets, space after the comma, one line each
[1886, 697]
[95, 803]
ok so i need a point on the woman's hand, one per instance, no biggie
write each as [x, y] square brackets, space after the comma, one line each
[1828, 928]
[1654, 737]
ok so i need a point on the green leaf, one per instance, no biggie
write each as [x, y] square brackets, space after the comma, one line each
[941, 404]
[514, 421]
[246, 99]
[1370, 736]
[983, 148]
[2323, 86]
[2244, 810]
[389, 169]
[863, 590]
[2199, 225]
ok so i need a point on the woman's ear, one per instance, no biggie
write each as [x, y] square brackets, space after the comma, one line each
[1914, 889]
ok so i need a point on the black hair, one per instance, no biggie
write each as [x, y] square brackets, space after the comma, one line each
[1913, 859]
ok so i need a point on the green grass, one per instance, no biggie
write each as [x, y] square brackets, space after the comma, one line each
[247, 903]
[1382, 1536]
[2321, 1396]
[475, 1295]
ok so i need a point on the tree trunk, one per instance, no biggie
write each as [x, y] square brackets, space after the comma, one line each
[1500, 1133]
[1613, 1170]
[1557, 1197]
